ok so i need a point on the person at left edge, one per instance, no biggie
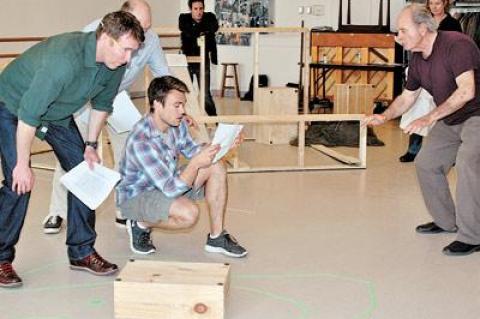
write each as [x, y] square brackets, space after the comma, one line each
[39, 93]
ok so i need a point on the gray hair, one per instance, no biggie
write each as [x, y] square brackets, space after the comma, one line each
[421, 15]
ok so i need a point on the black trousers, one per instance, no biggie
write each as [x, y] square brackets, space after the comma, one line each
[194, 68]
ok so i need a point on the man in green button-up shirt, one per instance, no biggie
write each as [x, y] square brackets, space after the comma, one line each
[39, 92]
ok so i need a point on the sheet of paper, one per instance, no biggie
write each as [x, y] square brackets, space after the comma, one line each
[225, 136]
[124, 115]
[92, 187]
[422, 106]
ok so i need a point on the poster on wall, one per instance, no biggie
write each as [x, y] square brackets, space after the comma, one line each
[241, 13]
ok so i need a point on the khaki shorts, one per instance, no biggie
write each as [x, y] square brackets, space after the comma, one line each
[153, 206]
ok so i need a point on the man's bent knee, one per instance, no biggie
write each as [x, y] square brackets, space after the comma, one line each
[190, 216]
[425, 163]
[184, 212]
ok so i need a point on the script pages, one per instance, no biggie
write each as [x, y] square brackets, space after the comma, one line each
[225, 136]
[92, 187]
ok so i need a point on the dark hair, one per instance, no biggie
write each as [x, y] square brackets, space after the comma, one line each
[446, 5]
[159, 88]
[190, 2]
[118, 23]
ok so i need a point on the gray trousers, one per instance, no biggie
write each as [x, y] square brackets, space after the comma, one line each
[446, 146]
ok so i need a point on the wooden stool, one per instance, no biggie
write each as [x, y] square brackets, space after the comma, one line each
[233, 76]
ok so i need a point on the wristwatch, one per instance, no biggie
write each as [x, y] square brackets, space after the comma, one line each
[94, 145]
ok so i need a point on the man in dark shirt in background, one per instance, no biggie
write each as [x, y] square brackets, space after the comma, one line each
[39, 93]
[193, 25]
[447, 65]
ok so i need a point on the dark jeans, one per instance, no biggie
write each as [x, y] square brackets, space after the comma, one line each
[415, 143]
[194, 68]
[68, 147]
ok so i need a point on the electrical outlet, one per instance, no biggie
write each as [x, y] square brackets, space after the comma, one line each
[301, 10]
[318, 10]
[308, 10]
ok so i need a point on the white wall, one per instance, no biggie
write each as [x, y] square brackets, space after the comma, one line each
[279, 54]
[47, 17]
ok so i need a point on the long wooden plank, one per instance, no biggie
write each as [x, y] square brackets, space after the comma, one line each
[279, 118]
[21, 39]
[8, 55]
[42, 166]
[362, 152]
[201, 81]
[301, 144]
[336, 155]
[352, 40]
[171, 31]
[193, 107]
[194, 59]
[292, 168]
[306, 73]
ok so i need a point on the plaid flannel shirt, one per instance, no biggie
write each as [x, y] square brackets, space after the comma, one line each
[150, 160]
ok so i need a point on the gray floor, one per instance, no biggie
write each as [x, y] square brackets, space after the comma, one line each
[329, 245]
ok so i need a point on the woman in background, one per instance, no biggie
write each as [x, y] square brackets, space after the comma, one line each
[439, 10]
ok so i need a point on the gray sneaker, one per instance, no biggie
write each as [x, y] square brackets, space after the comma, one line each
[225, 244]
[140, 242]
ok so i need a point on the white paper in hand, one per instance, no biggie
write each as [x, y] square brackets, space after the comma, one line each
[225, 136]
[90, 186]
[422, 106]
[124, 115]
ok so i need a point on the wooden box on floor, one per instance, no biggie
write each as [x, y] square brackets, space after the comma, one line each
[353, 99]
[154, 289]
[275, 101]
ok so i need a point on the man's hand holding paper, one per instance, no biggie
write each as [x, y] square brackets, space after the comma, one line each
[91, 186]
[206, 155]
[228, 136]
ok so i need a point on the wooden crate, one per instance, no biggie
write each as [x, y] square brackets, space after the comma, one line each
[170, 290]
[276, 101]
[353, 99]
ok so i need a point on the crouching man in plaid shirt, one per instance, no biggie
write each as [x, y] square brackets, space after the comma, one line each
[155, 191]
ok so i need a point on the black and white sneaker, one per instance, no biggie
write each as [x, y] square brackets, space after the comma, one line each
[140, 242]
[52, 225]
[225, 244]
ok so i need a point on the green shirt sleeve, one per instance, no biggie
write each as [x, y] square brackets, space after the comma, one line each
[103, 101]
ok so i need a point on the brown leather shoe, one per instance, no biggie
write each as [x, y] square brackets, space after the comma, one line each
[94, 264]
[8, 276]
